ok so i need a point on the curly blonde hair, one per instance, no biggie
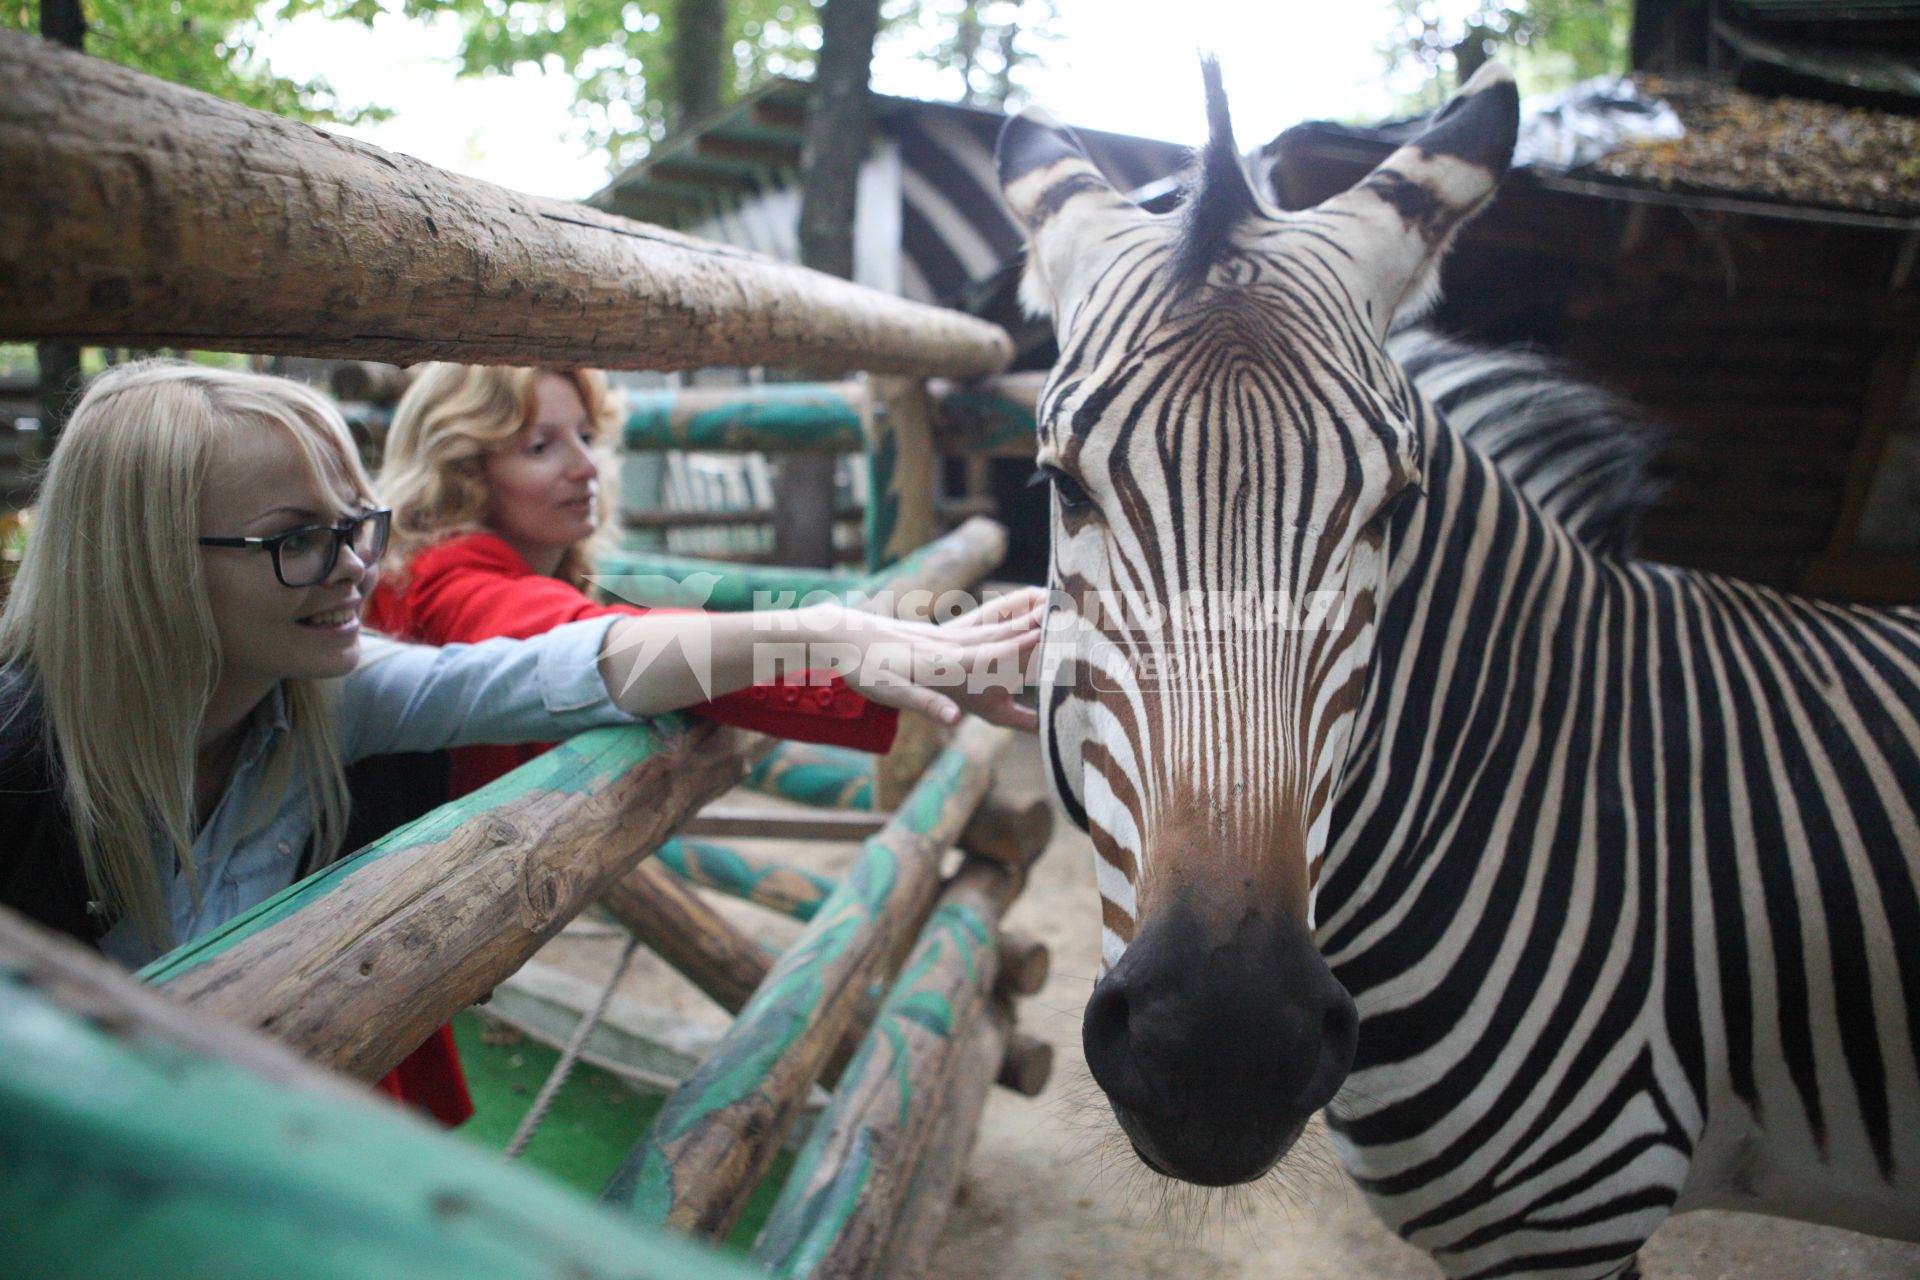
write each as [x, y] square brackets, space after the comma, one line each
[434, 471]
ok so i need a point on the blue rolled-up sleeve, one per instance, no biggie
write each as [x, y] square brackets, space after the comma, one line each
[407, 697]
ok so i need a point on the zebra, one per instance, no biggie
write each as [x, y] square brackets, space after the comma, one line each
[1576, 890]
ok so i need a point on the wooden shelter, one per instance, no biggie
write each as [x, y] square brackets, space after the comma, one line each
[1748, 289]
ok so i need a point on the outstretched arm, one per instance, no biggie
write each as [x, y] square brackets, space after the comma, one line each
[975, 663]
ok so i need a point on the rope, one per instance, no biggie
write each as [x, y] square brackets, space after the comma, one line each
[530, 1123]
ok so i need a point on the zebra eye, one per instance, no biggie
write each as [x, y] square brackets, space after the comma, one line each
[1074, 499]
[1400, 501]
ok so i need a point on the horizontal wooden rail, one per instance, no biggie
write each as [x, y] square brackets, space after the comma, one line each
[791, 891]
[773, 417]
[139, 1137]
[142, 213]
[958, 559]
[355, 966]
[984, 418]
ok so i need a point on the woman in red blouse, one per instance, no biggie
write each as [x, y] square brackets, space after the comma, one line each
[497, 480]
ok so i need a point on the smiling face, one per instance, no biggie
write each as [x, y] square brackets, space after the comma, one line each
[543, 485]
[1227, 441]
[260, 483]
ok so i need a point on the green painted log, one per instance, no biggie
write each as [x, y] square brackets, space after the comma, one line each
[716, 1136]
[774, 417]
[355, 965]
[138, 1138]
[821, 776]
[937, 1178]
[790, 890]
[720, 585]
[956, 560]
[853, 1177]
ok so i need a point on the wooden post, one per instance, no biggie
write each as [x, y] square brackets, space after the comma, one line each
[853, 1176]
[1025, 963]
[716, 1136]
[356, 964]
[1027, 1065]
[937, 1179]
[137, 1137]
[1011, 829]
[900, 518]
[142, 213]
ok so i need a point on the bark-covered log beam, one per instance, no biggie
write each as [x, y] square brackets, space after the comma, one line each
[716, 1136]
[355, 966]
[838, 1205]
[140, 1137]
[141, 213]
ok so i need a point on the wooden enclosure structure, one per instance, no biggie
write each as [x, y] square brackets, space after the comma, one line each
[142, 213]
[1778, 341]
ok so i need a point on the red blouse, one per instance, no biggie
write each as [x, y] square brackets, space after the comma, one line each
[476, 587]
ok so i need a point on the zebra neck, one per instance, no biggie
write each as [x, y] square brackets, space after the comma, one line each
[1480, 614]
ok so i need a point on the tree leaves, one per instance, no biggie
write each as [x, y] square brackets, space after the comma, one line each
[208, 45]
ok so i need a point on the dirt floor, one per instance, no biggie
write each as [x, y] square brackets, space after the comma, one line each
[1053, 1193]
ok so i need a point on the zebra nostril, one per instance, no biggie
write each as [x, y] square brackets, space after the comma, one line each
[1106, 1035]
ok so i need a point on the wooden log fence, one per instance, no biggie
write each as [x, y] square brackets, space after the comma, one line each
[715, 1138]
[141, 213]
[852, 1178]
[138, 1137]
[145, 214]
[355, 965]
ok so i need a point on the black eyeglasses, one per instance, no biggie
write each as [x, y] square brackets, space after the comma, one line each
[305, 556]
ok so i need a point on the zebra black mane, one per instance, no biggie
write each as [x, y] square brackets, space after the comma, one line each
[1218, 195]
[1581, 453]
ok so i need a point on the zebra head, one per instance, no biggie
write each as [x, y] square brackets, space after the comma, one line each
[1226, 439]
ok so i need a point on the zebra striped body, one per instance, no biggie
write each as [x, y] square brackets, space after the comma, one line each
[1615, 864]
[1622, 882]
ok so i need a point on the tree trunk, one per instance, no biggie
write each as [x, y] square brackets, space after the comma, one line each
[700, 60]
[62, 22]
[839, 118]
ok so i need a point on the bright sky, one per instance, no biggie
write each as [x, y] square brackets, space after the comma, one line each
[1124, 65]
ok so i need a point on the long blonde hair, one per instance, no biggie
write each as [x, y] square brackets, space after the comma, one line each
[109, 616]
[452, 415]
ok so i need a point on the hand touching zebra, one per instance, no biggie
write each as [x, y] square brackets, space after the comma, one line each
[1576, 890]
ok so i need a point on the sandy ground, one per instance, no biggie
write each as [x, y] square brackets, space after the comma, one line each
[1053, 1193]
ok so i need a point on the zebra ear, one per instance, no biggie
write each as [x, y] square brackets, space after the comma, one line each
[1406, 211]
[1065, 206]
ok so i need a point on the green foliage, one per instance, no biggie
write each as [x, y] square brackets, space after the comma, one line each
[985, 43]
[1550, 43]
[619, 53]
[204, 44]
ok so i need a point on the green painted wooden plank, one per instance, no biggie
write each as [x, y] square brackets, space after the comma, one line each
[124, 1157]
[785, 417]
[811, 774]
[793, 890]
[720, 585]
[856, 1170]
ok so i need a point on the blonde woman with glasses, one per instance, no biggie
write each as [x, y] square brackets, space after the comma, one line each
[183, 673]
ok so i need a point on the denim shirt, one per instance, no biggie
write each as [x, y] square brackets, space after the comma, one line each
[402, 697]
